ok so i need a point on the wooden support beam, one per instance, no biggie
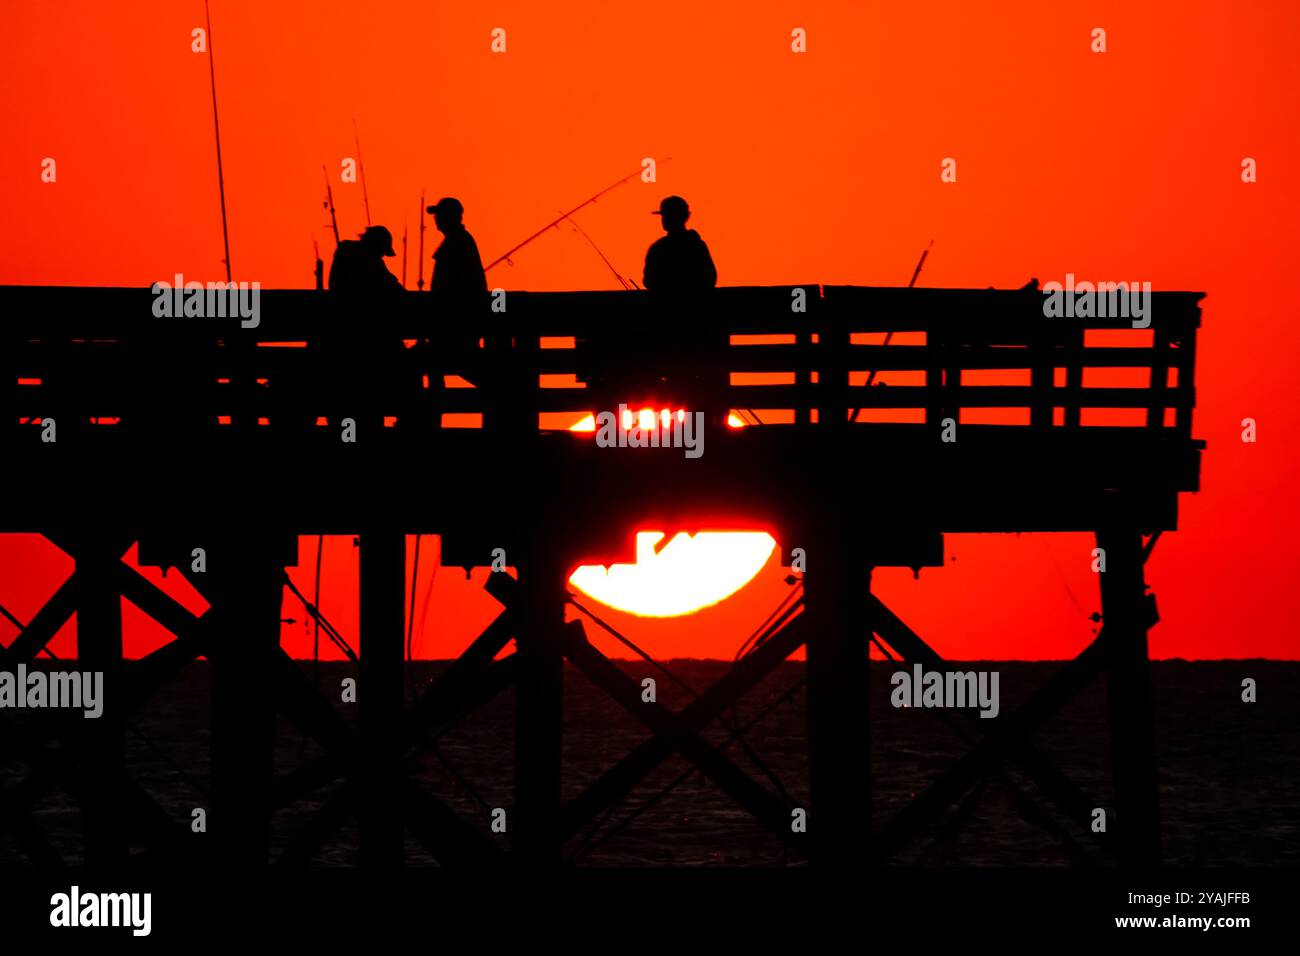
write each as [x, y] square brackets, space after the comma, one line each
[380, 695]
[432, 706]
[65, 767]
[617, 782]
[1067, 795]
[99, 650]
[449, 838]
[72, 765]
[1010, 732]
[299, 700]
[307, 842]
[472, 680]
[477, 679]
[539, 706]
[1127, 613]
[836, 587]
[244, 584]
[766, 808]
[53, 614]
[297, 697]
[454, 703]
[459, 701]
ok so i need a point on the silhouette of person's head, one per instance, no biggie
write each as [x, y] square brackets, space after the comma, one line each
[378, 239]
[447, 213]
[673, 212]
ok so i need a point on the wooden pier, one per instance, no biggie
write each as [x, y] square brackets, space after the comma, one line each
[984, 416]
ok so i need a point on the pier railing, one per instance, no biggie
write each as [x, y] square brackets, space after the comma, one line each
[793, 355]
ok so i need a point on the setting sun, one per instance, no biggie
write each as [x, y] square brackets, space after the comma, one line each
[688, 573]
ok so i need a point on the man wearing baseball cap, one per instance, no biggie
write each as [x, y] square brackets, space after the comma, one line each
[353, 369]
[678, 263]
[679, 277]
[460, 298]
[457, 268]
[358, 267]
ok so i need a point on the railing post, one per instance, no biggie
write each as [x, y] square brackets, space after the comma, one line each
[1159, 384]
[1042, 341]
[1073, 358]
[1186, 377]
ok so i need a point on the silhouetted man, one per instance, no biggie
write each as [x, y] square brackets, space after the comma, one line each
[459, 287]
[457, 269]
[358, 351]
[358, 267]
[676, 365]
[680, 261]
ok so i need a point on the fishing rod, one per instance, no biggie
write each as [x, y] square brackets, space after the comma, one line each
[216, 126]
[603, 258]
[404, 230]
[419, 285]
[555, 222]
[871, 376]
[919, 263]
[329, 204]
[361, 165]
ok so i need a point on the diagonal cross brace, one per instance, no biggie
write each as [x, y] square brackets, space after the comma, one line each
[1064, 792]
[667, 725]
[1004, 738]
[617, 782]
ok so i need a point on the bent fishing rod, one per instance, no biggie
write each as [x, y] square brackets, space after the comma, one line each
[361, 166]
[916, 273]
[505, 257]
[216, 128]
[603, 258]
[329, 204]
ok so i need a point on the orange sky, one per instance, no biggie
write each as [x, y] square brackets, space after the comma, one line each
[820, 167]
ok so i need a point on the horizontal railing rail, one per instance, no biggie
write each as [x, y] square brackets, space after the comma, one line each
[791, 355]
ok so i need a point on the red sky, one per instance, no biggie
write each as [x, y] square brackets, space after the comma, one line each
[801, 168]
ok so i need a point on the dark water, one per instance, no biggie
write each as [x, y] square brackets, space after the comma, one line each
[1229, 772]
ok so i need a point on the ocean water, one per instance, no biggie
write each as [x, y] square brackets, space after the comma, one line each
[1229, 772]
